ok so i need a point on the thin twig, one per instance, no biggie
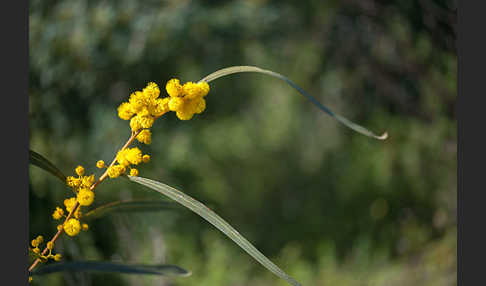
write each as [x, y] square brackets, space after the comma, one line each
[100, 179]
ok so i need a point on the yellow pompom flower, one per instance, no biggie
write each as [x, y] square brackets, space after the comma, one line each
[125, 111]
[50, 245]
[135, 124]
[100, 164]
[69, 204]
[40, 239]
[36, 250]
[174, 88]
[73, 182]
[152, 90]
[146, 158]
[146, 121]
[35, 243]
[176, 103]
[57, 257]
[191, 90]
[133, 172]
[136, 101]
[198, 105]
[121, 157]
[87, 181]
[204, 88]
[58, 213]
[72, 227]
[116, 171]
[145, 136]
[84, 226]
[79, 170]
[129, 156]
[184, 114]
[85, 197]
[134, 155]
[59, 226]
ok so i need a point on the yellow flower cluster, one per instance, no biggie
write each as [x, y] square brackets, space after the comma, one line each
[37, 253]
[144, 106]
[81, 186]
[188, 99]
[125, 158]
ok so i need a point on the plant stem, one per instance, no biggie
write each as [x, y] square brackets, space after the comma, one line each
[100, 179]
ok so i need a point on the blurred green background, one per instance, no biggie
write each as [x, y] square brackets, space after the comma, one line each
[326, 204]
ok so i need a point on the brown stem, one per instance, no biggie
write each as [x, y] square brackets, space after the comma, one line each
[100, 179]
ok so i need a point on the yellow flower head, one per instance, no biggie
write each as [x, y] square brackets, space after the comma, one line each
[72, 227]
[146, 121]
[73, 182]
[191, 90]
[39, 239]
[133, 172]
[198, 105]
[146, 158]
[87, 181]
[136, 101]
[84, 226]
[135, 124]
[125, 111]
[100, 164]
[203, 87]
[50, 245]
[79, 170]
[69, 204]
[57, 257]
[129, 156]
[145, 136]
[176, 103]
[58, 213]
[116, 171]
[36, 242]
[152, 90]
[85, 197]
[174, 88]
[184, 114]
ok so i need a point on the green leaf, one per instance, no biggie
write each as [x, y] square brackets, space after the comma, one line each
[215, 220]
[129, 206]
[111, 267]
[344, 121]
[41, 162]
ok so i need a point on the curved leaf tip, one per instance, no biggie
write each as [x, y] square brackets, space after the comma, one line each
[241, 69]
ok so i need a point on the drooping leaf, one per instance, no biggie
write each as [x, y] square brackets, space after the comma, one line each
[344, 121]
[40, 161]
[111, 267]
[129, 206]
[215, 220]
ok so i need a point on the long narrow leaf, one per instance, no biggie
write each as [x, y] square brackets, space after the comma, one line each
[41, 162]
[112, 267]
[346, 122]
[129, 206]
[215, 220]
